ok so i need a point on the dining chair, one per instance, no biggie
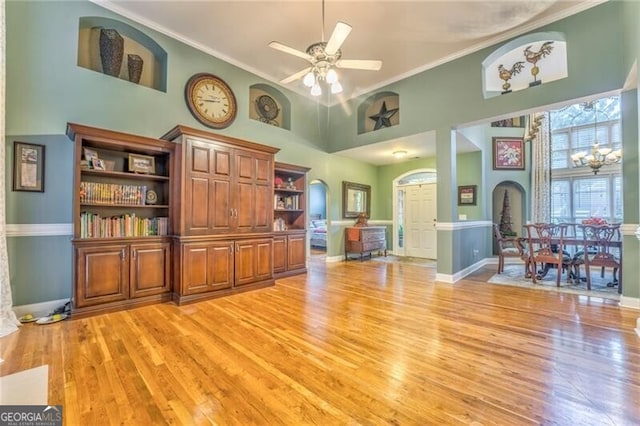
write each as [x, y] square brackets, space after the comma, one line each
[546, 247]
[508, 247]
[598, 243]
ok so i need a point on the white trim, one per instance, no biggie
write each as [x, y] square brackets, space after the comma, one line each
[38, 229]
[451, 279]
[372, 222]
[638, 327]
[39, 309]
[629, 302]
[455, 226]
[330, 259]
[628, 228]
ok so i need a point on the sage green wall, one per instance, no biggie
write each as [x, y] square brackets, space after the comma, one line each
[450, 95]
[470, 172]
[46, 89]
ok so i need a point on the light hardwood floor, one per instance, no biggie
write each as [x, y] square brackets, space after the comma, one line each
[371, 343]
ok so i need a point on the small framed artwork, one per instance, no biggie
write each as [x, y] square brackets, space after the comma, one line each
[142, 164]
[467, 195]
[90, 154]
[508, 153]
[98, 164]
[28, 167]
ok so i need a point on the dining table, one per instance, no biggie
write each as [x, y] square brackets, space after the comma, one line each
[578, 244]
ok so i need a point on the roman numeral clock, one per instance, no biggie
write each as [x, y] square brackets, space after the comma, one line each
[211, 100]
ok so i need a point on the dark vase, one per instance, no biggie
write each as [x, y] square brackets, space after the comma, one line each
[134, 64]
[111, 51]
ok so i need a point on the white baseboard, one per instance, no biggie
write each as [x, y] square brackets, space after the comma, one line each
[39, 309]
[638, 327]
[338, 258]
[452, 278]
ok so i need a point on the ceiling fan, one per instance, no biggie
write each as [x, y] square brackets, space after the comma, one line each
[323, 57]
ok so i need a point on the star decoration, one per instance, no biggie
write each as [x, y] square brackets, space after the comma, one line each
[383, 118]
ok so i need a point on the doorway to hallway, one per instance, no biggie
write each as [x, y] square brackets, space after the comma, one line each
[415, 214]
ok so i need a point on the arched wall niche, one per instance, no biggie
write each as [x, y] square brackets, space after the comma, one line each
[374, 105]
[154, 57]
[542, 58]
[260, 99]
[517, 199]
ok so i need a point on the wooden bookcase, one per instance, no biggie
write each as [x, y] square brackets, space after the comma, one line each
[122, 219]
[290, 222]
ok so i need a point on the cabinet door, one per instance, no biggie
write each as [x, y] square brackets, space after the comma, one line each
[253, 261]
[102, 274]
[279, 254]
[206, 267]
[296, 252]
[208, 188]
[150, 269]
[254, 202]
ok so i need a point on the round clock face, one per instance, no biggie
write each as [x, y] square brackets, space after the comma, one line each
[211, 100]
[152, 197]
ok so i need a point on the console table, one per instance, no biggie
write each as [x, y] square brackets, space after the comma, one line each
[365, 240]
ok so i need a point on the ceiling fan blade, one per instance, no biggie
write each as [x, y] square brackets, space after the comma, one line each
[295, 76]
[290, 50]
[359, 64]
[340, 33]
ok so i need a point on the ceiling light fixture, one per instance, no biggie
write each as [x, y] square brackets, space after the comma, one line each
[324, 57]
[399, 154]
[599, 156]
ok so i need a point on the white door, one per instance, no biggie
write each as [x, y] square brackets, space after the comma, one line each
[420, 221]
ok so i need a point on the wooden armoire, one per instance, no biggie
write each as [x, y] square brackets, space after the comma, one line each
[223, 240]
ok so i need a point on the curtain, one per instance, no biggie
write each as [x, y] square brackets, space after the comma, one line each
[538, 134]
[8, 321]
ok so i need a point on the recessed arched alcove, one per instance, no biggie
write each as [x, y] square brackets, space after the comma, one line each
[516, 198]
[269, 105]
[140, 53]
[385, 105]
[514, 66]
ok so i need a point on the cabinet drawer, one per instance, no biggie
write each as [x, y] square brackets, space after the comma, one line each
[373, 245]
[377, 235]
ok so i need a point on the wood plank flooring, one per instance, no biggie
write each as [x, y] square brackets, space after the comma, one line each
[370, 343]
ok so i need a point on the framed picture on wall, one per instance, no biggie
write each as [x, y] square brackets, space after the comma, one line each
[467, 195]
[28, 167]
[508, 153]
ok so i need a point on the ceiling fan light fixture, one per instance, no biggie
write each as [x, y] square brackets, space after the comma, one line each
[332, 76]
[309, 79]
[316, 90]
[336, 88]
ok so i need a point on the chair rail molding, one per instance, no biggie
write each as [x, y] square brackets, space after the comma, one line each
[38, 229]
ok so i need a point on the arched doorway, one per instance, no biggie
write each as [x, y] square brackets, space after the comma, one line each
[318, 212]
[415, 214]
[509, 207]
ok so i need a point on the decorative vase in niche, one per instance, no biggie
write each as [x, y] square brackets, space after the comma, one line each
[111, 51]
[134, 64]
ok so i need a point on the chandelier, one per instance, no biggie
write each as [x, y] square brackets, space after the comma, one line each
[598, 157]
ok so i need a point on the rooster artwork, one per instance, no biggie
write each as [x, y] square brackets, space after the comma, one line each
[534, 57]
[506, 74]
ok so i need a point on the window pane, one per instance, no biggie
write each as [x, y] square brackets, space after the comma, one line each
[559, 159]
[590, 198]
[560, 201]
[617, 199]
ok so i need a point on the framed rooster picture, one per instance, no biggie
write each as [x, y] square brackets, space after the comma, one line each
[508, 153]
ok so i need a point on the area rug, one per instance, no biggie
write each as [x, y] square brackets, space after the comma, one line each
[427, 263]
[28, 387]
[513, 275]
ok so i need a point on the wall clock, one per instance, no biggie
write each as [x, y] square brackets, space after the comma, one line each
[211, 100]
